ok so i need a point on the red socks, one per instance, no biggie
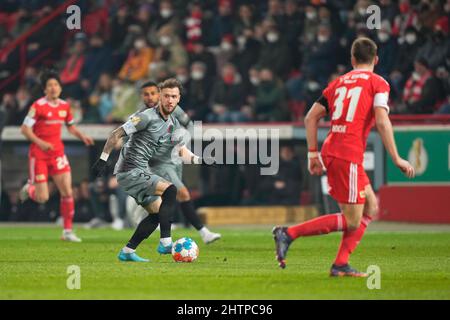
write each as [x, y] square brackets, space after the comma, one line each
[350, 240]
[67, 211]
[321, 225]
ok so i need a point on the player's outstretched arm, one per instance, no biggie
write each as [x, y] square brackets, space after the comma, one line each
[190, 158]
[386, 132]
[73, 130]
[317, 112]
[115, 136]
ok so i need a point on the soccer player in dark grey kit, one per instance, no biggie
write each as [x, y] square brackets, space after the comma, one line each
[151, 137]
[173, 172]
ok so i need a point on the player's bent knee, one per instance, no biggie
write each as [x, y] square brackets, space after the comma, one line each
[42, 198]
[183, 195]
[352, 225]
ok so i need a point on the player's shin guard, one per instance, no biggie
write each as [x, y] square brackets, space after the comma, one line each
[67, 209]
[166, 210]
[350, 240]
[188, 210]
[321, 225]
[143, 230]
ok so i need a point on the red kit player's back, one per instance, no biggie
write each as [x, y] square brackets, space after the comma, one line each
[47, 120]
[351, 99]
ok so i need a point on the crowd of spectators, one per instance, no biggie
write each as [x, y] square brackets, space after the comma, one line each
[238, 60]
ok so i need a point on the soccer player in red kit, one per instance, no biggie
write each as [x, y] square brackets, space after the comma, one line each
[42, 126]
[355, 102]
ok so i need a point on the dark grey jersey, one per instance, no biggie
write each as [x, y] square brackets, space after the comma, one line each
[150, 139]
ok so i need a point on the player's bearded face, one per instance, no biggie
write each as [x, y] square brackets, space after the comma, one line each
[150, 96]
[53, 89]
[169, 99]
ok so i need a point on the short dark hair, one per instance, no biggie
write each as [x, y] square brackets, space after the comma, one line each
[47, 75]
[149, 84]
[364, 50]
[170, 83]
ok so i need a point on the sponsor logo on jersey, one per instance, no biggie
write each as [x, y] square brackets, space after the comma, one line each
[135, 120]
[62, 113]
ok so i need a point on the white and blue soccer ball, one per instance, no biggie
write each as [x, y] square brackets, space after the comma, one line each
[185, 250]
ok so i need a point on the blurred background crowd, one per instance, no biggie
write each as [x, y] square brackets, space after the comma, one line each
[238, 60]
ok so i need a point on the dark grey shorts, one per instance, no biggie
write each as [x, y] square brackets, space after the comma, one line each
[170, 172]
[140, 184]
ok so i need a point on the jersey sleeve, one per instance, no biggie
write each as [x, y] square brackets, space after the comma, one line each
[136, 123]
[69, 117]
[381, 91]
[183, 118]
[32, 116]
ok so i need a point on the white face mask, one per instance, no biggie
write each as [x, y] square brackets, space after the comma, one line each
[165, 40]
[322, 38]
[362, 11]
[415, 76]
[383, 37]
[139, 44]
[197, 75]
[272, 37]
[241, 41]
[311, 15]
[165, 13]
[410, 38]
[226, 46]
[254, 81]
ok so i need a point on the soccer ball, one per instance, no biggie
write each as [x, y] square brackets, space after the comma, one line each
[184, 250]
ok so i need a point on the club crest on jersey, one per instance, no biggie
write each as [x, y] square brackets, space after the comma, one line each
[62, 113]
[170, 129]
[135, 120]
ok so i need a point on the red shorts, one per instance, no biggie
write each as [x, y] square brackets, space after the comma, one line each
[346, 180]
[40, 169]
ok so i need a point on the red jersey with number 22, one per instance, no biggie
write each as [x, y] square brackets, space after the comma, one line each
[46, 120]
[351, 100]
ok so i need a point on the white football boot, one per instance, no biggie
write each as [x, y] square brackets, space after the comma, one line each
[70, 236]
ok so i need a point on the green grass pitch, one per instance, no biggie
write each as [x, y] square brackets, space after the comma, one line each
[34, 262]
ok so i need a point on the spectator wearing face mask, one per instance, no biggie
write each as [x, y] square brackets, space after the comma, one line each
[275, 53]
[387, 49]
[199, 53]
[404, 61]
[422, 90]
[198, 92]
[228, 96]
[139, 58]
[248, 49]
[227, 51]
[320, 58]
[437, 47]
[170, 54]
[166, 16]
[270, 100]
[310, 25]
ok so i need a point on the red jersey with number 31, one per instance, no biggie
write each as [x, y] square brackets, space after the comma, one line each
[351, 100]
[47, 119]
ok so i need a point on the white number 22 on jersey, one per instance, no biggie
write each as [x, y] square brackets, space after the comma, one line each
[342, 93]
